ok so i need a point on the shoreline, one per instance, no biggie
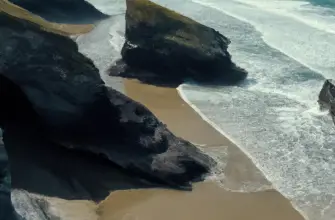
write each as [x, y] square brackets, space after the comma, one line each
[219, 130]
[203, 133]
[209, 199]
[204, 117]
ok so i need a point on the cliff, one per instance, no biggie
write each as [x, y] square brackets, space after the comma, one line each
[55, 97]
[173, 47]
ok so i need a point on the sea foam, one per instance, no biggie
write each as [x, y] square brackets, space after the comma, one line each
[274, 117]
[288, 49]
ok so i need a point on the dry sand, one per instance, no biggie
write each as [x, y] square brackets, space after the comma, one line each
[208, 201]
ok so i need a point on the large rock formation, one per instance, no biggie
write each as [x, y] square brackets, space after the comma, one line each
[51, 90]
[174, 47]
[327, 97]
[62, 11]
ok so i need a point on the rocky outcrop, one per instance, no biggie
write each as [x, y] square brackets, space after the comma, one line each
[51, 90]
[62, 11]
[174, 47]
[327, 97]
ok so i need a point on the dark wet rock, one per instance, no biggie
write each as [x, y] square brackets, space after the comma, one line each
[56, 92]
[327, 96]
[6, 209]
[174, 47]
[62, 11]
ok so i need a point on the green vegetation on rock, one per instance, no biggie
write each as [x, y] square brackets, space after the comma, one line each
[174, 46]
[172, 26]
[152, 12]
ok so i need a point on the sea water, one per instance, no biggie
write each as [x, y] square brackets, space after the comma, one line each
[288, 48]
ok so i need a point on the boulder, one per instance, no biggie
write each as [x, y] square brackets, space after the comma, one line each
[327, 96]
[56, 92]
[173, 47]
[62, 11]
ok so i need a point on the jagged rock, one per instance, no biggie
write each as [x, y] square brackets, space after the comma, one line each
[174, 47]
[49, 87]
[62, 11]
[327, 96]
[6, 209]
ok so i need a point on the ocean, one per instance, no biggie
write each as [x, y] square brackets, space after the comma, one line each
[288, 48]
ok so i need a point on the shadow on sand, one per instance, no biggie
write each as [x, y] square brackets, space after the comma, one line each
[41, 167]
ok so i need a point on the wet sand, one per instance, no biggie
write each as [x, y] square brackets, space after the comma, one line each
[209, 200]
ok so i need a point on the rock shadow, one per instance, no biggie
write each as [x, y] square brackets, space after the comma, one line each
[121, 69]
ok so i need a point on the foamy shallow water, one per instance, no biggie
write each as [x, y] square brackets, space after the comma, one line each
[288, 48]
[103, 46]
[274, 117]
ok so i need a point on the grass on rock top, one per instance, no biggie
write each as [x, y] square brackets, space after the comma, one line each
[150, 11]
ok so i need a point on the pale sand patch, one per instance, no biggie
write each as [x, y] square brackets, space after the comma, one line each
[207, 201]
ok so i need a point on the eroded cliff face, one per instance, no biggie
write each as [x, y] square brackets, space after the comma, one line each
[174, 47]
[52, 95]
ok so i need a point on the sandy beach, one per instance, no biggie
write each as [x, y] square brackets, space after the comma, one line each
[80, 181]
[80, 178]
[208, 200]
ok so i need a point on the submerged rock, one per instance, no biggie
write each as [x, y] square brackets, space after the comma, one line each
[62, 11]
[56, 92]
[174, 47]
[327, 97]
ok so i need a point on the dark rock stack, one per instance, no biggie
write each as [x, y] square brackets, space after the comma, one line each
[52, 92]
[173, 47]
[327, 97]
